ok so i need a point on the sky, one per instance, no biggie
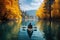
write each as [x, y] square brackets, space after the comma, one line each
[27, 5]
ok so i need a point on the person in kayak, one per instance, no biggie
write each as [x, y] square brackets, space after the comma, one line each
[30, 26]
[29, 30]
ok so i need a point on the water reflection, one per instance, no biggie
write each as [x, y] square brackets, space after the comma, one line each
[45, 26]
[45, 30]
[36, 35]
[55, 26]
[9, 30]
[51, 29]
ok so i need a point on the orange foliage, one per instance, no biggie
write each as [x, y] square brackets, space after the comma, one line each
[40, 12]
[55, 12]
[10, 9]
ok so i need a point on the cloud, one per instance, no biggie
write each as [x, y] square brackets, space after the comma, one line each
[26, 7]
[30, 5]
[36, 2]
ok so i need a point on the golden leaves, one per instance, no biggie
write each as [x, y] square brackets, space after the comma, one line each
[54, 12]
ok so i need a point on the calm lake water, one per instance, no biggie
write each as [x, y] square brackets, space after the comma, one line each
[37, 35]
[46, 30]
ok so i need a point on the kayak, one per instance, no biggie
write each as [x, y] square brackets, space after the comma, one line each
[30, 32]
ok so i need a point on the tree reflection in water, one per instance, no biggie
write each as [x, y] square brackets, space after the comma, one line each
[9, 30]
[51, 30]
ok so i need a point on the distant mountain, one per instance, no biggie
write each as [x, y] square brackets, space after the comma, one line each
[31, 12]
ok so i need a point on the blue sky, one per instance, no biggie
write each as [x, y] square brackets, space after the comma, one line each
[27, 5]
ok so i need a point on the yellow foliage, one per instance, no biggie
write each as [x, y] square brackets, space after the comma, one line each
[40, 12]
[55, 12]
[9, 10]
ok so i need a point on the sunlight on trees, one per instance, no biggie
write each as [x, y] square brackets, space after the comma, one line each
[43, 13]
